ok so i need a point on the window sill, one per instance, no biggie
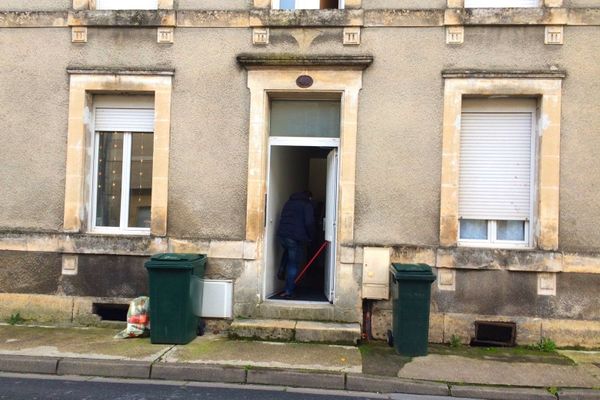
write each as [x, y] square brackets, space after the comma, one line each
[479, 258]
[120, 233]
[125, 18]
[506, 16]
[495, 246]
[308, 18]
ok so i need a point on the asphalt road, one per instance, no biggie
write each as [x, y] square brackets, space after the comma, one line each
[28, 387]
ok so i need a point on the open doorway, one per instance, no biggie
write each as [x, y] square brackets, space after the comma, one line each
[295, 168]
[304, 137]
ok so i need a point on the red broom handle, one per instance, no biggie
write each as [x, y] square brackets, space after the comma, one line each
[325, 243]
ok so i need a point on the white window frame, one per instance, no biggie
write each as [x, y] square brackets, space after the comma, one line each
[126, 4]
[509, 105]
[115, 102]
[499, 4]
[304, 5]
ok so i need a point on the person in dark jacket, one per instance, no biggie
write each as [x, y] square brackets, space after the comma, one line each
[296, 228]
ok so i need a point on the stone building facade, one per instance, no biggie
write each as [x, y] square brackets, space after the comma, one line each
[378, 106]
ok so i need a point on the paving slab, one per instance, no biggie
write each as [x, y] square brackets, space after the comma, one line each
[108, 368]
[579, 394]
[497, 393]
[370, 383]
[582, 357]
[457, 369]
[198, 373]
[218, 350]
[97, 343]
[294, 378]
[29, 365]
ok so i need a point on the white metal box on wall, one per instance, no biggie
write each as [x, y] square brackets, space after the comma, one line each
[375, 278]
[216, 297]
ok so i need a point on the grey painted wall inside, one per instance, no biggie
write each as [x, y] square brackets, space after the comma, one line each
[399, 136]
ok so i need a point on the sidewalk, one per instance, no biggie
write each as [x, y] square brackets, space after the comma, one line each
[374, 367]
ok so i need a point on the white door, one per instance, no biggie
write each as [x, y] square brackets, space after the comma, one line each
[329, 224]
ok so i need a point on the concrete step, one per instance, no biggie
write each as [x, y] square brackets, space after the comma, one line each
[293, 330]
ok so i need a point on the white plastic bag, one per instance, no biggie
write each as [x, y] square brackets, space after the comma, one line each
[138, 319]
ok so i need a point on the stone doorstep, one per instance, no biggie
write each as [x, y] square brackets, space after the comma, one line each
[301, 331]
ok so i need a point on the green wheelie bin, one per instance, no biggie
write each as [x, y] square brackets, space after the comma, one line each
[172, 320]
[411, 296]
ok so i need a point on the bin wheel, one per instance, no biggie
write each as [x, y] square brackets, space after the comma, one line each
[390, 338]
[201, 327]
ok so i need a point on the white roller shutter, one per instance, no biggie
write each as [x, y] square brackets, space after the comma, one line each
[501, 3]
[124, 119]
[495, 165]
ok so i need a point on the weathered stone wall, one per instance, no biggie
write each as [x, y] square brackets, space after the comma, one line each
[397, 187]
[33, 109]
[407, 4]
[515, 293]
[398, 152]
[580, 3]
[28, 272]
[212, 4]
[107, 276]
[572, 317]
[35, 5]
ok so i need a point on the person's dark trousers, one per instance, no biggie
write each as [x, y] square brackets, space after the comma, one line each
[293, 248]
[282, 266]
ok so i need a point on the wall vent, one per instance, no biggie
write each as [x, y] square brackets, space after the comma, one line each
[488, 333]
[111, 311]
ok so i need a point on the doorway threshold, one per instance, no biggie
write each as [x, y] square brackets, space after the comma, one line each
[295, 302]
[304, 294]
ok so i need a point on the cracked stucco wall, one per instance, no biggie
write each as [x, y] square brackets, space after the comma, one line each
[400, 116]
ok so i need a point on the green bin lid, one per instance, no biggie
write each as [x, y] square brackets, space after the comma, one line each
[412, 268]
[177, 257]
[412, 272]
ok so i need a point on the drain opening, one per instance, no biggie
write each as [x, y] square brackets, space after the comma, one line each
[111, 312]
[494, 334]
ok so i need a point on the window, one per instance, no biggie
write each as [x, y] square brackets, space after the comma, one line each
[302, 118]
[496, 165]
[126, 4]
[123, 158]
[307, 4]
[501, 3]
